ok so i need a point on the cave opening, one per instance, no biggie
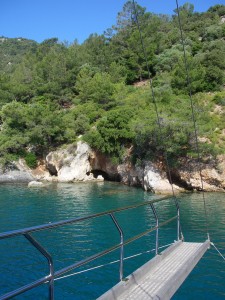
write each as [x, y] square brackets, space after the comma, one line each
[107, 177]
[52, 171]
[176, 179]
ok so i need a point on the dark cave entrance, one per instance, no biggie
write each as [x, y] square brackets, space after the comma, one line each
[52, 170]
[108, 177]
[175, 177]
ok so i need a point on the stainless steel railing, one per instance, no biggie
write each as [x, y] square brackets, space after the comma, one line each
[26, 232]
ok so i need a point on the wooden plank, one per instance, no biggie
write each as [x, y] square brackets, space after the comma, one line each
[162, 276]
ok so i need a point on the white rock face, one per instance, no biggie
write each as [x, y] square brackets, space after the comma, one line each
[35, 184]
[100, 178]
[16, 172]
[71, 164]
[78, 165]
[155, 183]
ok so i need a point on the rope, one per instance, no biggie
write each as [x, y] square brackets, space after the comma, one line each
[217, 250]
[193, 118]
[111, 263]
[156, 110]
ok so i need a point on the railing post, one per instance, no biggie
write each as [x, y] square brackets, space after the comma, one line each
[178, 219]
[157, 228]
[121, 244]
[38, 246]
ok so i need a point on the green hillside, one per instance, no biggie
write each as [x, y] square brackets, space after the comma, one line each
[51, 93]
[12, 52]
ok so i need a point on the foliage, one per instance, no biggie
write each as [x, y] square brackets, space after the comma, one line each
[194, 79]
[112, 132]
[31, 160]
[51, 93]
[219, 98]
[12, 51]
[219, 9]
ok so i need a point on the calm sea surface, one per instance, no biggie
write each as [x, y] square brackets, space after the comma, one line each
[22, 207]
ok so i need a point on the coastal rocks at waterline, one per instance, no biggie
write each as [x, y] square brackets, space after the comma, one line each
[80, 163]
[154, 182]
[147, 177]
[35, 183]
[212, 175]
[16, 171]
[71, 164]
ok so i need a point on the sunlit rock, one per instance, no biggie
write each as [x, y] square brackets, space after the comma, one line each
[16, 171]
[154, 182]
[71, 164]
[212, 177]
[35, 184]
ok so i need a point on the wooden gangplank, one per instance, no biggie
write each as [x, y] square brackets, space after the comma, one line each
[160, 277]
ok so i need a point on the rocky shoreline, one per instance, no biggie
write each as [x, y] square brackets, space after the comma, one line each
[79, 163]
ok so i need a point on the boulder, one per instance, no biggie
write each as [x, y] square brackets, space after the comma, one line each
[17, 171]
[71, 164]
[100, 178]
[154, 182]
[35, 184]
[213, 175]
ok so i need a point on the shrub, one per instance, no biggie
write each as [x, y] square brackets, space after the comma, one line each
[219, 99]
[31, 160]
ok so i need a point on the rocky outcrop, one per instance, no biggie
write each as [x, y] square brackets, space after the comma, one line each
[72, 163]
[78, 162]
[148, 177]
[187, 177]
[41, 173]
[213, 175]
[102, 164]
[154, 182]
[16, 171]
[35, 183]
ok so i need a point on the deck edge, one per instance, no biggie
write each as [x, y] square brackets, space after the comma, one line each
[121, 287]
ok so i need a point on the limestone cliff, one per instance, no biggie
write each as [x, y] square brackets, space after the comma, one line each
[71, 164]
[81, 163]
[213, 174]
[78, 162]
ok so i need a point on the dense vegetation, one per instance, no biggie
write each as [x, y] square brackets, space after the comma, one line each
[52, 92]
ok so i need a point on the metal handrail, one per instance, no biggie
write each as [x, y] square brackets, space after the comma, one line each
[26, 232]
[38, 246]
[157, 228]
[121, 244]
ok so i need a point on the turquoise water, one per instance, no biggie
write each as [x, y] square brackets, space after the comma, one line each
[20, 263]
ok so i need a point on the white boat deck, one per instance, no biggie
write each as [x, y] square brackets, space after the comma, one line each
[162, 276]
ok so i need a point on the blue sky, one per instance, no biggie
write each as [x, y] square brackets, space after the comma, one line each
[73, 19]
